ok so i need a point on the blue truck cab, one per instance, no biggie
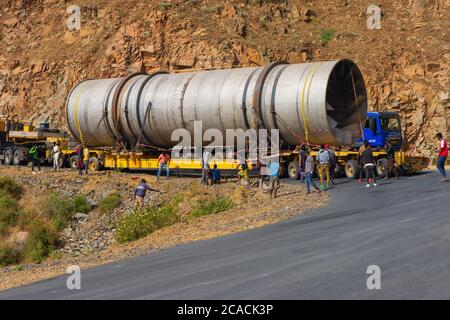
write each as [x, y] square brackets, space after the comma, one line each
[382, 127]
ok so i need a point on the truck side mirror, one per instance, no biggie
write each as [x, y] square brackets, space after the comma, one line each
[373, 124]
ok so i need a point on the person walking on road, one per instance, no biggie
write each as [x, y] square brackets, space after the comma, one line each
[33, 153]
[86, 156]
[442, 156]
[369, 165]
[390, 155]
[274, 173]
[323, 159]
[163, 163]
[55, 156]
[359, 161]
[140, 192]
[309, 171]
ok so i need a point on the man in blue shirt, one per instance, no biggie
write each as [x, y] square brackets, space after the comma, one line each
[274, 174]
[140, 192]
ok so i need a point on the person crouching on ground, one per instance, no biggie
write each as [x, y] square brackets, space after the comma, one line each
[274, 174]
[140, 192]
[216, 175]
[442, 156]
[309, 171]
[369, 164]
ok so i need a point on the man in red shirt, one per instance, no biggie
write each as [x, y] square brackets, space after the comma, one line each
[442, 156]
[163, 163]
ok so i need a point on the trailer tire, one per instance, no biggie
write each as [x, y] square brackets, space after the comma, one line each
[382, 165]
[73, 162]
[351, 169]
[292, 170]
[9, 155]
[94, 164]
[16, 157]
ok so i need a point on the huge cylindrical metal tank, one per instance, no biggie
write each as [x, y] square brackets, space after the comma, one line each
[317, 103]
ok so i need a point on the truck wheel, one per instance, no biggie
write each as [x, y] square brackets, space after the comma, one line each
[94, 164]
[8, 157]
[292, 170]
[338, 171]
[73, 163]
[382, 165]
[351, 169]
[16, 157]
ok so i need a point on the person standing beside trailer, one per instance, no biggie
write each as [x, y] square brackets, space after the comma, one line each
[323, 159]
[79, 152]
[333, 162]
[274, 173]
[86, 156]
[163, 163]
[390, 155]
[309, 171]
[359, 161]
[369, 165]
[206, 169]
[33, 153]
[442, 156]
[302, 155]
[55, 156]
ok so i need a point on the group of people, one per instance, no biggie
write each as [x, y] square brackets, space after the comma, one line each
[326, 167]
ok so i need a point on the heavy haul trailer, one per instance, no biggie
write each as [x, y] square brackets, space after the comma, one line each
[17, 138]
[316, 103]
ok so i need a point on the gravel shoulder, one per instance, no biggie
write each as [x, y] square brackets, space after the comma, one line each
[91, 242]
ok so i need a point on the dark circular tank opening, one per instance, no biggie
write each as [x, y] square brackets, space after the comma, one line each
[345, 80]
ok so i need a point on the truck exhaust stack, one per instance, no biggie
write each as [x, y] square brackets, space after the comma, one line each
[317, 103]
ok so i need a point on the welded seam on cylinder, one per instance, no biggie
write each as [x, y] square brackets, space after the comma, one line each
[220, 96]
[303, 101]
[298, 109]
[308, 118]
[77, 120]
[67, 104]
[272, 102]
[150, 115]
[105, 110]
[183, 91]
[127, 119]
[138, 103]
[244, 98]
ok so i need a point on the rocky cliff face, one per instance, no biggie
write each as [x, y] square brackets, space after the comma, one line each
[406, 63]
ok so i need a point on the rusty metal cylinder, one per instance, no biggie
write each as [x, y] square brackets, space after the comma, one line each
[317, 103]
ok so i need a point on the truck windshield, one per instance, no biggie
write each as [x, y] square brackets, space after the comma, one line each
[390, 124]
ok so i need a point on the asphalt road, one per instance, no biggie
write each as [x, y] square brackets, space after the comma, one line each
[401, 226]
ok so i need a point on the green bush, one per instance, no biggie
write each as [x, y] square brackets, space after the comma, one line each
[10, 187]
[41, 241]
[212, 206]
[9, 211]
[143, 222]
[80, 204]
[9, 255]
[58, 209]
[110, 202]
[326, 36]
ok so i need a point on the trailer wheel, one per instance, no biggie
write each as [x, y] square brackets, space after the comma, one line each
[8, 156]
[94, 164]
[16, 157]
[73, 163]
[382, 165]
[292, 170]
[351, 169]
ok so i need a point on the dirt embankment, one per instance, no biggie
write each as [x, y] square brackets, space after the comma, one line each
[90, 241]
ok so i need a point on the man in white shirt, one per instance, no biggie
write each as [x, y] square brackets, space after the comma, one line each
[55, 154]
